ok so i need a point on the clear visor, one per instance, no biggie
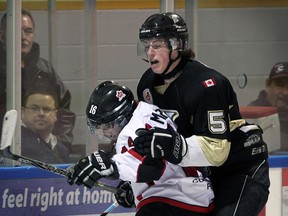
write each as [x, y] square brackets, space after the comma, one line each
[109, 131]
[144, 45]
[156, 44]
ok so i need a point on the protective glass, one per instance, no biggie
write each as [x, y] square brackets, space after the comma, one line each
[280, 82]
[37, 109]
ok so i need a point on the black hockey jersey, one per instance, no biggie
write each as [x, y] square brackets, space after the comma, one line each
[202, 102]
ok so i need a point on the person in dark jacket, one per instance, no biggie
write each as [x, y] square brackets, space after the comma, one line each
[34, 69]
[275, 94]
[39, 114]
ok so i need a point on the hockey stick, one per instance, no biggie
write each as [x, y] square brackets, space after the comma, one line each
[9, 124]
[110, 208]
[8, 129]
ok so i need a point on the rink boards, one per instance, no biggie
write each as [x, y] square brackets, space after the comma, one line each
[30, 191]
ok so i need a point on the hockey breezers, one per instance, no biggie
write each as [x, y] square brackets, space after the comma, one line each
[9, 124]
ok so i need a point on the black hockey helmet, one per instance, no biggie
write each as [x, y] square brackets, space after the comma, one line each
[165, 25]
[109, 103]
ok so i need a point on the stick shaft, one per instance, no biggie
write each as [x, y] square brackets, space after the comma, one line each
[8, 128]
[48, 167]
[110, 208]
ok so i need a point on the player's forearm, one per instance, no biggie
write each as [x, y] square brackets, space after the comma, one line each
[205, 151]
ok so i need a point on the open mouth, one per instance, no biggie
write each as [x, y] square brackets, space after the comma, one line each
[154, 62]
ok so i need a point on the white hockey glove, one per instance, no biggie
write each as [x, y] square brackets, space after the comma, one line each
[124, 195]
[161, 143]
[90, 169]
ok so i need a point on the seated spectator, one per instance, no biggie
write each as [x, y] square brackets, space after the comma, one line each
[276, 94]
[39, 115]
[34, 69]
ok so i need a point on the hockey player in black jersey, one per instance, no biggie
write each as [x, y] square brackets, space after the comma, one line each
[204, 106]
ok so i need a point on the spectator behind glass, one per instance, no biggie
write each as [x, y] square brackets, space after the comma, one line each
[276, 94]
[39, 114]
[35, 69]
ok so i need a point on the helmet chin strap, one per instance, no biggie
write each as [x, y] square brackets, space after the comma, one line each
[171, 61]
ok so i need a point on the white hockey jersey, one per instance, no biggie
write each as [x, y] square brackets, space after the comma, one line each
[158, 180]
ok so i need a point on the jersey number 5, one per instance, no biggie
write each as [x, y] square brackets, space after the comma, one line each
[216, 122]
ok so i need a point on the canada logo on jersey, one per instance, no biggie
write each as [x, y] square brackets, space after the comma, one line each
[209, 83]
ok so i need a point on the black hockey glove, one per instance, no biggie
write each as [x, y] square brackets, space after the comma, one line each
[124, 195]
[90, 169]
[161, 143]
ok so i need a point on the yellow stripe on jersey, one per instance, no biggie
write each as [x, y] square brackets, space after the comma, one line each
[216, 151]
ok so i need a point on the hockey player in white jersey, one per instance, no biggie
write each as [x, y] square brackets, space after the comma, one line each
[160, 188]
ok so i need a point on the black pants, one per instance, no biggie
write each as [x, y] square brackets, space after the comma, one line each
[244, 193]
[163, 209]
